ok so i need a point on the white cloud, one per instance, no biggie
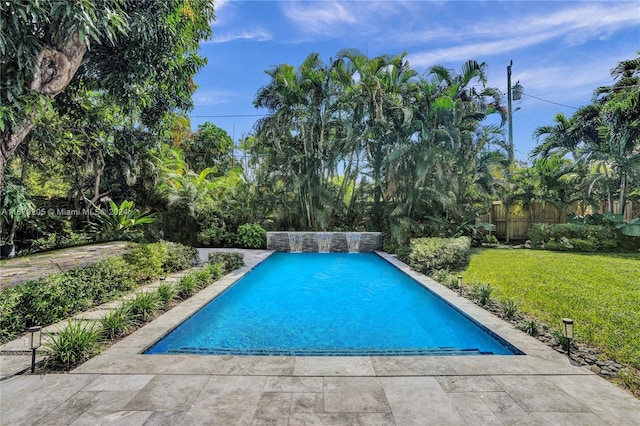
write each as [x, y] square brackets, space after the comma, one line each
[255, 34]
[573, 26]
[320, 17]
[213, 97]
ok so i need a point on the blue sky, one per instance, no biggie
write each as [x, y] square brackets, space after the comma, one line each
[561, 50]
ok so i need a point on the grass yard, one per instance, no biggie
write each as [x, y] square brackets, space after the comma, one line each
[601, 292]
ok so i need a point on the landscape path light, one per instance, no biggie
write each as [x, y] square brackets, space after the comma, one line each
[35, 341]
[459, 285]
[568, 333]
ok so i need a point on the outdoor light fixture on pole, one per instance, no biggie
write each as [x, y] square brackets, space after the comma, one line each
[460, 285]
[568, 333]
[35, 341]
[513, 94]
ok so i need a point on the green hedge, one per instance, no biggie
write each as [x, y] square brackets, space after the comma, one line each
[573, 237]
[429, 254]
[59, 296]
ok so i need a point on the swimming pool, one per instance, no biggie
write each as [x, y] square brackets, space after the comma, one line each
[329, 304]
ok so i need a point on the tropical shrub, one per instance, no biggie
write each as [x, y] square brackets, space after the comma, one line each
[510, 307]
[12, 319]
[202, 278]
[214, 270]
[143, 306]
[252, 235]
[166, 293]
[74, 344]
[429, 254]
[187, 286]
[179, 257]
[481, 293]
[229, 261]
[148, 260]
[531, 327]
[123, 222]
[572, 236]
[117, 323]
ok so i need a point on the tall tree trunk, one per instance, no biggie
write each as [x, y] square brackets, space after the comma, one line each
[52, 74]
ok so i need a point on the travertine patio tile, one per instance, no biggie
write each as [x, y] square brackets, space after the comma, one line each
[412, 365]
[110, 401]
[473, 409]
[168, 393]
[556, 419]
[603, 398]
[228, 399]
[119, 382]
[324, 419]
[124, 418]
[419, 401]
[354, 394]
[280, 421]
[501, 402]
[333, 366]
[252, 365]
[74, 407]
[42, 394]
[165, 418]
[293, 384]
[307, 402]
[274, 405]
[538, 393]
[468, 384]
[490, 365]
[376, 419]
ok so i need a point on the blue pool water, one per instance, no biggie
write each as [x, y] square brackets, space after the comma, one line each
[329, 304]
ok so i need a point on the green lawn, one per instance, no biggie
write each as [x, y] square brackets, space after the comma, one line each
[601, 292]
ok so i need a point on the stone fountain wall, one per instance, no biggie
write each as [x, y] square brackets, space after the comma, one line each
[368, 241]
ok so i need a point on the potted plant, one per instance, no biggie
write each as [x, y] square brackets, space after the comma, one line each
[16, 206]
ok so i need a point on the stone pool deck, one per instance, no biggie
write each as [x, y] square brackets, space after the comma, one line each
[121, 386]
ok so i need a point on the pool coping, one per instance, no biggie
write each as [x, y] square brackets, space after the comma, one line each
[126, 356]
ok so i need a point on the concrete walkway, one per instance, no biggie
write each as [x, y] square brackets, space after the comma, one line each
[122, 386]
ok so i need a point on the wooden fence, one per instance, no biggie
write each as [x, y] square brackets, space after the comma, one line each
[515, 224]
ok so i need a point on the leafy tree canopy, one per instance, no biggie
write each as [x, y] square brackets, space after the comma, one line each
[141, 53]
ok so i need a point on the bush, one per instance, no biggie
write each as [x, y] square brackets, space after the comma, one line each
[531, 327]
[574, 237]
[179, 257]
[117, 323]
[74, 344]
[429, 254]
[510, 307]
[202, 278]
[12, 319]
[187, 286]
[481, 293]
[166, 292]
[252, 235]
[214, 270]
[147, 260]
[229, 261]
[143, 306]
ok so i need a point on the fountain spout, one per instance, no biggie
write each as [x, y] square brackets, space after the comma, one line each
[353, 242]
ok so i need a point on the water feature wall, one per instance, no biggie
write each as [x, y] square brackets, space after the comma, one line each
[324, 242]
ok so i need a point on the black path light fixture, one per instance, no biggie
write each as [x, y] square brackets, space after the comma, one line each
[459, 285]
[35, 341]
[568, 333]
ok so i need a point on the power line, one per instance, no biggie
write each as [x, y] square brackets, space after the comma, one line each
[551, 102]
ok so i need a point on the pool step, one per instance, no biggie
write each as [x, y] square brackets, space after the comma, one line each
[330, 352]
